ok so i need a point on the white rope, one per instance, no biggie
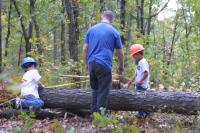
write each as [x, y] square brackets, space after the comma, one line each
[75, 76]
[2, 104]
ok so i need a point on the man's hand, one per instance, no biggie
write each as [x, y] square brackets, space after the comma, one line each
[120, 71]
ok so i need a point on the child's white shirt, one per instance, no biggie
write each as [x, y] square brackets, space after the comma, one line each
[29, 83]
[139, 72]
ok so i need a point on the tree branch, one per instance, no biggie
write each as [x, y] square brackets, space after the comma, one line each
[21, 19]
[160, 10]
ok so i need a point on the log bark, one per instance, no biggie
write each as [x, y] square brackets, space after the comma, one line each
[40, 114]
[124, 100]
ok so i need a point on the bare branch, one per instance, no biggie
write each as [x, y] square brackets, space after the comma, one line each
[160, 10]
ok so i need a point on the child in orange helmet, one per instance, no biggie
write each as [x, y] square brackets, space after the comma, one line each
[141, 76]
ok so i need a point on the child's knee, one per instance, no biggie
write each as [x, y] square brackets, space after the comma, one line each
[34, 104]
[40, 104]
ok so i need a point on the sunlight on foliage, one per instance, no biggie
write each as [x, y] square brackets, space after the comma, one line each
[102, 120]
[28, 120]
[56, 126]
[72, 130]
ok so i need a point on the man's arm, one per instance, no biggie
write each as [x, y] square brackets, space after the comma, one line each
[85, 49]
[120, 53]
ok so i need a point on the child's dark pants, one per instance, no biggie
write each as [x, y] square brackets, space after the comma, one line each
[141, 114]
[31, 101]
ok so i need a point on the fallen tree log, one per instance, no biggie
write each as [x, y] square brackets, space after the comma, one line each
[124, 100]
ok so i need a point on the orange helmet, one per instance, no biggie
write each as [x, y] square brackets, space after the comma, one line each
[135, 48]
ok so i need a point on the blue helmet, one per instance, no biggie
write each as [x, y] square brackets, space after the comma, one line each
[28, 60]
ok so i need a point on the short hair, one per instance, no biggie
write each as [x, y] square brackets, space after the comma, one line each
[109, 15]
[30, 64]
[141, 52]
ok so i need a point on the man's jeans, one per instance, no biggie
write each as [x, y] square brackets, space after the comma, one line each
[100, 81]
[141, 114]
[31, 101]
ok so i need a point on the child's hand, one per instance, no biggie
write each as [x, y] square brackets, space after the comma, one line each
[127, 85]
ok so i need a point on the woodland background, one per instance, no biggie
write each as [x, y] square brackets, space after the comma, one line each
[52, 31]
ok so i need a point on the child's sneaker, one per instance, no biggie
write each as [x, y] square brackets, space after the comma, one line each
[17, 102]
[142, 115]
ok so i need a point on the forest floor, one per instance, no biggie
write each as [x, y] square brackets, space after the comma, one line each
[155, 123]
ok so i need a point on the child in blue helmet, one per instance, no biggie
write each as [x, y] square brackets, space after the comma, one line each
[29, 85]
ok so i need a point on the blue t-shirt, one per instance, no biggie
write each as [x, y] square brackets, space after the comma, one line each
[102, 38]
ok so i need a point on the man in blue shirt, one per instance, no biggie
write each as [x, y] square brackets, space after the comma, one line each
[99, 44]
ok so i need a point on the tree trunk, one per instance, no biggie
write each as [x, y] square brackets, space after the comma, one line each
[63, 48]
[26, 36]
[63, 51]
[37, 32]
[164, 53]
[122, 19]
[37, 28]
[129, 24]
[149, 18]
[149, 22]
[154, 43]
[188, 25]
[0, 38]
[170, 54]
[124, 100]
[102, 5]
[20, 50]
[8, 29]
[55, 47]
[30, 27]
[142, 17]
[72, 9]
[138, 15]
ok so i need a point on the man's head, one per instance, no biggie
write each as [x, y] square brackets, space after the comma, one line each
[108, 15]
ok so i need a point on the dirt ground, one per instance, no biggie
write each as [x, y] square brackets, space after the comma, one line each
[155, 123]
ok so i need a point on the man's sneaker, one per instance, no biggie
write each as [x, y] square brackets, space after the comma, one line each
[18, 102]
